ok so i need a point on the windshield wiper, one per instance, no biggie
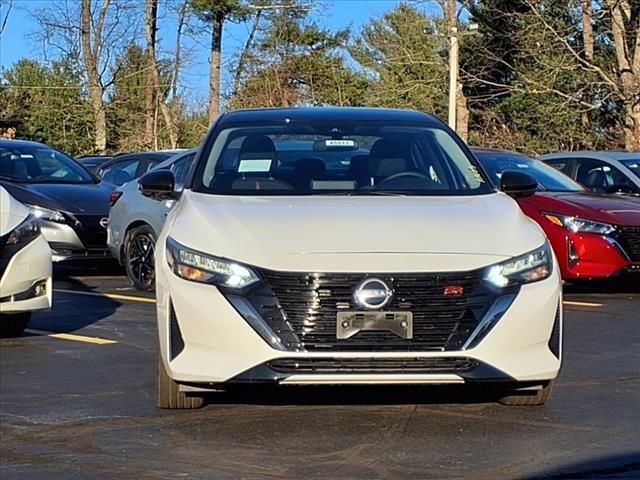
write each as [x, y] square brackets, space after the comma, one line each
[12, 179]
[366, 193]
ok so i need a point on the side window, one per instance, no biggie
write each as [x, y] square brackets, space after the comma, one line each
[180, 170]
[561, 164]
[596, 175]
[151, 163]
[120, 173]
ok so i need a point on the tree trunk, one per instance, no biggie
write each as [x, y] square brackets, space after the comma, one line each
[587, 29]
[245, 52]
[215, 67]
[177, 63]
[462, 115]
[150, 87]
[632, 125]
[96, 90]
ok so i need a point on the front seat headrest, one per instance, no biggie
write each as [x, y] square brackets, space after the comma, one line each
[596, 179]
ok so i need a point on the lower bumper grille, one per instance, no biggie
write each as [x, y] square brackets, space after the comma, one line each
[90, 232]
[302, 308]
[373, 365]
[629, 240]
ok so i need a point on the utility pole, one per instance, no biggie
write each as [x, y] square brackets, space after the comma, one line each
[454, 66]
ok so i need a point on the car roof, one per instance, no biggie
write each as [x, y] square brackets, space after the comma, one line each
[8, 143]
[302, 114]
[607, 155]
[150, 154]
[169, 161]
[497, 151]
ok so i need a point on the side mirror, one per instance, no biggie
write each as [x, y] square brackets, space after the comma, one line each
[158, 184]
[518, 184]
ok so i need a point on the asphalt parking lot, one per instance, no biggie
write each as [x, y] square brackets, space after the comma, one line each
[77, 401]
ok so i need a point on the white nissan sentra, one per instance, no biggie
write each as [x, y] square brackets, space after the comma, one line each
[350, 246]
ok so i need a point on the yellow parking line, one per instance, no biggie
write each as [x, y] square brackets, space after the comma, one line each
[74, 338]
[582, 304]
[113, 296]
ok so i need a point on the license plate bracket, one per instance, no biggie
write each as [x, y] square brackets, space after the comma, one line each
[349, 323]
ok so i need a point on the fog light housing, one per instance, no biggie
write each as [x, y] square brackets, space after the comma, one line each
[572, 254]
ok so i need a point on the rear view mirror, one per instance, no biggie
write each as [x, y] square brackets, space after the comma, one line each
[158, 184]
[518, 184]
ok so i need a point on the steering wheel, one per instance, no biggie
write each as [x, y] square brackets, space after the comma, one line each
[405, 174]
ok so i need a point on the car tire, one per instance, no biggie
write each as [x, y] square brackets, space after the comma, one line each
[140, 268]
[13, 324]
[527, 398]
[168, 394]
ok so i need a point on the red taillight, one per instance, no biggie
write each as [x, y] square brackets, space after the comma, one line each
[115, 196]
[454, 290]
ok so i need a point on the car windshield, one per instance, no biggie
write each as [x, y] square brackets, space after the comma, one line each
[39, 164]
[632, 164]
[549, 179]
[338, 158]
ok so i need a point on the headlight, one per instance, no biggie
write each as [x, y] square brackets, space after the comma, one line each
[199, 267]
[23, 233]
[530, 267]
[47, 214]
[576, 224]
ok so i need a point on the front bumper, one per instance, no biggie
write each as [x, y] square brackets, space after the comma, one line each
[66, 244]
[218, 346]
[26, 283]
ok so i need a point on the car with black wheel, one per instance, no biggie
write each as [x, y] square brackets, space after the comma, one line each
[25, 266]
[71, 205]
[127, 167]
[399, 265]
[136, 220]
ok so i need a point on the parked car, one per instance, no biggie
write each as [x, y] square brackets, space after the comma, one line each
[25, 266]
[136, 220]
[401, 266]
[124, 168]
[71, 205]
[92, 162]
[600, 172]
[594, 236]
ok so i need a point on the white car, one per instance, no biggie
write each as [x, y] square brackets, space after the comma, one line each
[135, 220]
[25, 266]
[398, 266]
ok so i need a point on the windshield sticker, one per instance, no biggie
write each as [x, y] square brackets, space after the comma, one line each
[476, 173]
[254, 165]
[340, 143]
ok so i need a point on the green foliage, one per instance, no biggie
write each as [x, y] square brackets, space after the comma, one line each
[401, 54]
[48, 105]
[295, 62]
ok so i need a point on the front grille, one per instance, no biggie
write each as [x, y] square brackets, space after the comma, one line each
[373, 365]
[90, 232]
[301, 308]
[629, 240]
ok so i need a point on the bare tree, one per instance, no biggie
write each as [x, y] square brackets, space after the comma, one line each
[151, 28]
[3, 21]
[154, 93]
[91, 35]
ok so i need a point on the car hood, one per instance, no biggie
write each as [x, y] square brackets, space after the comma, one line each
[87, 199]
[12, 212]
[615, 209]
[256, 229]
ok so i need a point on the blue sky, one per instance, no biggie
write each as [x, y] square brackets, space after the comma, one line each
[16, 43]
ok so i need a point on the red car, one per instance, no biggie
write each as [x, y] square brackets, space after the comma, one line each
[593, 235]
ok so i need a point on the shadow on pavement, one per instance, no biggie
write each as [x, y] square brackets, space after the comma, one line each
[626, 284]
[625, 466]
[285, 395]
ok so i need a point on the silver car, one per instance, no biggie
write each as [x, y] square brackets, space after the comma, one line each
[600, 172]
[135, 220]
